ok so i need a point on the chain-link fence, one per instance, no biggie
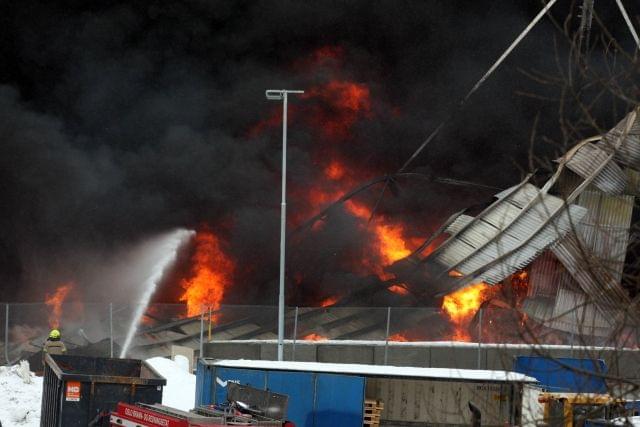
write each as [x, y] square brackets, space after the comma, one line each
[101, 329]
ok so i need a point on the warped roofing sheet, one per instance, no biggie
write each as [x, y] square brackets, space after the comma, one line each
[590, 160]
[507, 236]
[628, 151]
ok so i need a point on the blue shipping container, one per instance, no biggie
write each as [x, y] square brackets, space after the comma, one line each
[564, 374]
[316, 399]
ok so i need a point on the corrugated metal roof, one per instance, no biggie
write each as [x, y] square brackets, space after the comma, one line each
[524, 221]
[593, 280]
[605, 229]
[506, 236]
[588, 159]
[578, 311]
[544, 275]
[460, 222]
[628, 151]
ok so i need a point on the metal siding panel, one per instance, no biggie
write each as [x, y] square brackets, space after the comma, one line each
[204, 387]
[457, 225]
[339, 400]
[478, 234]
[601, 287]
[252, 377]
[524, 195]
[454, 253]
[629, 151]
[300, 387]
[564, 374]
[502, 215]
[605, 229]
[543, 276]
[588, 158]
[523, 256]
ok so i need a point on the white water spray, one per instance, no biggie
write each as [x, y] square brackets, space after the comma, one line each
[167, 250]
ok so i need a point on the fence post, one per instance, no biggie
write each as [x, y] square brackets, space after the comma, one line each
[110, 329]
[201, 332]
[295, 334]
[6, 334]
[571, 354]
[209, 335]
[479, 337]
[386, 342]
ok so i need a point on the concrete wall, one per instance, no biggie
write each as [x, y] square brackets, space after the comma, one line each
[623, 363]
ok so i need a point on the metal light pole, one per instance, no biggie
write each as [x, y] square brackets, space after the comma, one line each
[281, 95]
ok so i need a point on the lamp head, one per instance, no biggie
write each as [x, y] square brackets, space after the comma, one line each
[274, 94]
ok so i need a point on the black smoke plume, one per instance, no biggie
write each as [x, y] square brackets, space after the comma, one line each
[120, 120]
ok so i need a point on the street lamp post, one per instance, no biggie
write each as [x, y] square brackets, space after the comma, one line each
[281, 95]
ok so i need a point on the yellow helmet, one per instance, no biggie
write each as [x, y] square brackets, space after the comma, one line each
[54, 334]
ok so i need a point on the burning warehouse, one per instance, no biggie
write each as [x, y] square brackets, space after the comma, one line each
[553, 249]
[569, 238]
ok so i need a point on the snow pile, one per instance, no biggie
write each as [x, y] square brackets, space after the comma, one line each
[631, 421]
[20, 393]
[180, 391]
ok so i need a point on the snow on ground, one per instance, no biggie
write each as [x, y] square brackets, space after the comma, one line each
[180, 391]
[631, 421]
[19, 400]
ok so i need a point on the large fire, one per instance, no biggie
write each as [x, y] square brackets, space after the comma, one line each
[461, 305]
[54, 302]
[330, 109]
[211, 272]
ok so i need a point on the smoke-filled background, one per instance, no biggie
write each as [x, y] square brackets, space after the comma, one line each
[123, 120]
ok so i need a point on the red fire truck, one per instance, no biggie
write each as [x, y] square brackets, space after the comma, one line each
[245, 406]
[143, 415]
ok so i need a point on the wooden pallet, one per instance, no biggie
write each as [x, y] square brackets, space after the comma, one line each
[372, 411]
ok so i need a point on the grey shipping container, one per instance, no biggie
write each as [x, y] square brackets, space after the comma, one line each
[79, 390]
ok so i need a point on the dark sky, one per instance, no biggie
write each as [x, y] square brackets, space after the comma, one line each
[119, 120]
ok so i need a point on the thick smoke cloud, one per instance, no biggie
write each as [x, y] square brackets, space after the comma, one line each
[120, 120]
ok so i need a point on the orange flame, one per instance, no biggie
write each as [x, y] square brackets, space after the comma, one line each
[315, 337]
[398, 338]
[329, 301]
[347, 102]
[55, 303]
[463, 304]
[398, 289]
[335, 171]
[391, 242]
[210, 274]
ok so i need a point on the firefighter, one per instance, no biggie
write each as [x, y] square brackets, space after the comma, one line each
[53, 345]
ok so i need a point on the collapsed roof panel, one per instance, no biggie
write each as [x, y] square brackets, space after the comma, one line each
[590, 161]
[525, 220]
[627, 151]
[506, 236]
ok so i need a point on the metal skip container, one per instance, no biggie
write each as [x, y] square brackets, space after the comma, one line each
[81, 391]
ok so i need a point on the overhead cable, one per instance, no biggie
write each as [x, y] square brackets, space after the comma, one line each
[486, 75]
[628, 21]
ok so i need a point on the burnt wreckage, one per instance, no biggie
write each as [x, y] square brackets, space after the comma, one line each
[571, 235]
